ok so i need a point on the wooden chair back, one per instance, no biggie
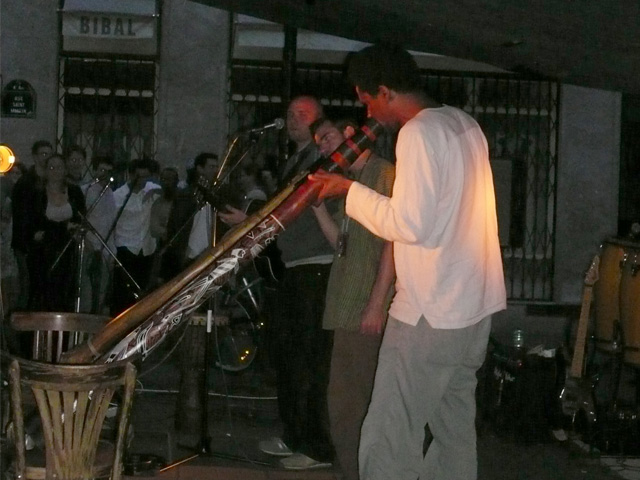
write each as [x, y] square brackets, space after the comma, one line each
[72, 401]
[57, 332]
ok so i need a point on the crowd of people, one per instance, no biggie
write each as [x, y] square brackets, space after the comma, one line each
[80, 237]
[382, 312]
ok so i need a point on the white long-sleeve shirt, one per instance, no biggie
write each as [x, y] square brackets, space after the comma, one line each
[442, 220]
[102, 215]
[132, 230]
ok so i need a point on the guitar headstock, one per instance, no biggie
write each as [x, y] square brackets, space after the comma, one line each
[216, 194]
[202, 190]
[591, 276]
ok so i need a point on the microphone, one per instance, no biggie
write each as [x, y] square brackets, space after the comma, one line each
[278, 124]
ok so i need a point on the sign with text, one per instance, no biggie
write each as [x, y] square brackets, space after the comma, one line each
[121, 27]
[18, 100]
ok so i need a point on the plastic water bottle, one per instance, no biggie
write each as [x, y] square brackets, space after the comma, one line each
[518, 338]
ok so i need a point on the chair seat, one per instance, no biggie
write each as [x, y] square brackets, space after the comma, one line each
[35, 459]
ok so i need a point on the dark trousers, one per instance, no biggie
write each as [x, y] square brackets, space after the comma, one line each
[124, 291]
[353, 369]
[301, 352]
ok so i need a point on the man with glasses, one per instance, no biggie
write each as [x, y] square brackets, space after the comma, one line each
[77, 169]
[358, 297]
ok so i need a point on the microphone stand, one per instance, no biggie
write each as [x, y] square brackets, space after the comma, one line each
[136, 294]
[203, 446]
[112, 254]
[55, 263]
[86, 225]
[119, 214]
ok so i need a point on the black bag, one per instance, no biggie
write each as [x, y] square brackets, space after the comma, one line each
[521, 393]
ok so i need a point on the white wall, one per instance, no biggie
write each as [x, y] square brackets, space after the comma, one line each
[29, 51]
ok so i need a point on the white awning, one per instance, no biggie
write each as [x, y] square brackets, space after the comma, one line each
[142, 8]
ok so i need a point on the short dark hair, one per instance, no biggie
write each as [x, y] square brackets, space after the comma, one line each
[318, 122]
[77, 148]
[339, 123]
[101, 159]
[142, 164]
[201, 158]
[155, 166]
[172, 170]
[39, 144]
[56, 155]
[384, 64]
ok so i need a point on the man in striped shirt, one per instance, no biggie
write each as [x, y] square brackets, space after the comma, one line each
[358, 297]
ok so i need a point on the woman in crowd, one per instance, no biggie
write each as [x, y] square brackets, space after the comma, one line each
[56, 213]
[8, 264]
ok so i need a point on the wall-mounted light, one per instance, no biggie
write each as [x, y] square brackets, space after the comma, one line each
[7, 159]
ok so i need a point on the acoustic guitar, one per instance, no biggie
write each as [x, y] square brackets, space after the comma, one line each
[577, 394]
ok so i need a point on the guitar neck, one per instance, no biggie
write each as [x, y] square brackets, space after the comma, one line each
[581, 335]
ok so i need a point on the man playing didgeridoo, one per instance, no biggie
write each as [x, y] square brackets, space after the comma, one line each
[442, 221]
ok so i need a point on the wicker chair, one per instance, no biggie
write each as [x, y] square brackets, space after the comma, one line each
[72, 401]
[56, 332]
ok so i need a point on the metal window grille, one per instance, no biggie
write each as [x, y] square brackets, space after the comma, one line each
[517, 114]
[629, 200]
[109, 107]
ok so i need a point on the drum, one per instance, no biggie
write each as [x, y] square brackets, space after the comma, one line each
[606, 293]
[630, 306]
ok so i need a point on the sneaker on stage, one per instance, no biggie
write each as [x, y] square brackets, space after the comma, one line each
[275, 446]
[299, 461]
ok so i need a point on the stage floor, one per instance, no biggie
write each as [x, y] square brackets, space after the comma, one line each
[242, 410]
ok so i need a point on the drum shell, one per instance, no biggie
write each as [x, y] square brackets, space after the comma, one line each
[630, 306]
[606, 293]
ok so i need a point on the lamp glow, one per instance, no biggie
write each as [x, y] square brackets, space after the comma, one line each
[7, 159]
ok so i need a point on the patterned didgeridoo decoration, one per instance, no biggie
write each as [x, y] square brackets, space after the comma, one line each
[142, 327]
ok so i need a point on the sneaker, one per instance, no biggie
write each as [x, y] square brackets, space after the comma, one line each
[299, 461]
[275, 446]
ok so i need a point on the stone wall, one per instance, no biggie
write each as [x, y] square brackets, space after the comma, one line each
[192, 86]
[29, 51]
[192, 115]
[588, 183]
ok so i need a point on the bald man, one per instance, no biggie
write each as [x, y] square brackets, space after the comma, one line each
[301, 349]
